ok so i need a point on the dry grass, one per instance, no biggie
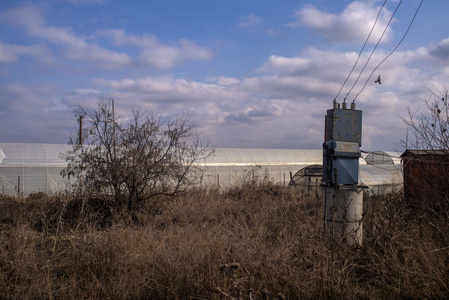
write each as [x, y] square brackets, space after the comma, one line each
[253, 241]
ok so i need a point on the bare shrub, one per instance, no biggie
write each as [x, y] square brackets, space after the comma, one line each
[247, 242]
[429, 128]
[136, 160]
[406, 253]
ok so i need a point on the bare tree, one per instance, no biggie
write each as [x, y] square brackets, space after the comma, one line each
[138, 159]
[426, 163]
[429, 128]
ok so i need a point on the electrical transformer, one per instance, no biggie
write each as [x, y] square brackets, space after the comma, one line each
[343, 198]
[341, 148]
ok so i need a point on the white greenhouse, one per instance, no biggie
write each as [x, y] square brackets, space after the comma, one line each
[379, 172]
[226, 166]
[28, 168]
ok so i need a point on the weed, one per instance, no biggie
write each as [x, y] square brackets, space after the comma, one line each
[252, 241]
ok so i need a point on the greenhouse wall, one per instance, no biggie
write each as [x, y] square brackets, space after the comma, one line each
[28, 168]
[224, 176]
[378, 179]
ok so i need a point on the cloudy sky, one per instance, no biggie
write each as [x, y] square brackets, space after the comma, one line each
[252, 73]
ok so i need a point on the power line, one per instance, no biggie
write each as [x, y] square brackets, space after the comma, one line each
[403, 37]
[360, 53]
[374, 49]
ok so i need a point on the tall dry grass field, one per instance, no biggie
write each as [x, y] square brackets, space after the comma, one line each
[252, 241]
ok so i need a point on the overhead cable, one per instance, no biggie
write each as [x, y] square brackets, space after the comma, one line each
[403, 37]
[374, 49]
[360, 53]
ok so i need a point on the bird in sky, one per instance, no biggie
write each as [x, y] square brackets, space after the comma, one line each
[378, 80]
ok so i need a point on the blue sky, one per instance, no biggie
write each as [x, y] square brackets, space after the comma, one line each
[253, 73]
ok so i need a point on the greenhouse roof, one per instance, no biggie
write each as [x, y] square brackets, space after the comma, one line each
[369, 175]
[27, 154]
[248, 156]
[12, 154]
[381, 158]
[45, 154]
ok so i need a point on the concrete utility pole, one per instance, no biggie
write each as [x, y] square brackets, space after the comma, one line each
[343, 198]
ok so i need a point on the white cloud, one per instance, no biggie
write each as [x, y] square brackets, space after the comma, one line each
[189, 50]
[25, 16]
[281, 104]
[157, 54]
[26, 99]
[31, 113]
[250, 21]
[166, 89]
[32, 20]
[223, 80]
[441, 52]
[8, 53]
[353, 24]
[287, 103]
[282, 108]
[11, 53]
[119, 37]
[101, 58]
[280, 64]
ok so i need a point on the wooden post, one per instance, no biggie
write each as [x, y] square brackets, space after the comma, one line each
[113, 121]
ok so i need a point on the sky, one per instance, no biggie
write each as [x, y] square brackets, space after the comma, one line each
[252, 73]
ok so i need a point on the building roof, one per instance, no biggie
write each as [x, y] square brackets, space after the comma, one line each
[413, 152]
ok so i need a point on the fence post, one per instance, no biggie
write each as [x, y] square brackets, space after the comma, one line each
[18, 187]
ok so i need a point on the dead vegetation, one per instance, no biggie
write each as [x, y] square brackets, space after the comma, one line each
[253, 241]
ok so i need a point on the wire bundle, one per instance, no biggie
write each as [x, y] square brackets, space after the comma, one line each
[374, 49]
